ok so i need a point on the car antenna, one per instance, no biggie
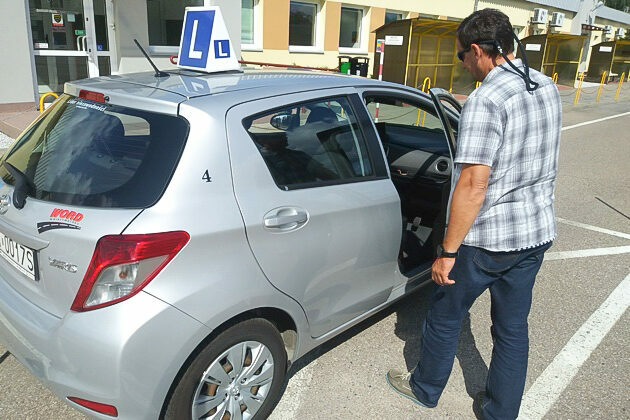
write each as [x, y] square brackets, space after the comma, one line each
[158, 73]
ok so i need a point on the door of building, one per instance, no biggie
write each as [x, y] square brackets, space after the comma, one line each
[72, 39]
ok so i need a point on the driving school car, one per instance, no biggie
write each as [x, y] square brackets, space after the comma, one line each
[169, 246]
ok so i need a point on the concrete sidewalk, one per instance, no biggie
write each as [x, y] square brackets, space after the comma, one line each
[14, 118]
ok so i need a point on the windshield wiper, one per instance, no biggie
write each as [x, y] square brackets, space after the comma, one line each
[23, 186]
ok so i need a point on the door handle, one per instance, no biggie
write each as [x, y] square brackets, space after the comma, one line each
[285, 218]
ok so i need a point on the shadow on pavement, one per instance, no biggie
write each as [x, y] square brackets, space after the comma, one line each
[410, 315]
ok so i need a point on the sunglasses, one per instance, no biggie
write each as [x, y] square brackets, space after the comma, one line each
[461, 54]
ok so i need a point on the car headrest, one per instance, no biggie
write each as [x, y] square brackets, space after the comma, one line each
[321, 114]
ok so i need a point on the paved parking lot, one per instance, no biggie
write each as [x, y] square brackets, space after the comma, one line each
[579, 324]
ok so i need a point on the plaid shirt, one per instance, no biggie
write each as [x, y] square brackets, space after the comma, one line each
[517, 134]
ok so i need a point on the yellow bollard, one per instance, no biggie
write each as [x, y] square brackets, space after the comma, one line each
[601, 86]
[44, 96]
[579, 89]
[555, 78]
[623, 75]
[426, 84]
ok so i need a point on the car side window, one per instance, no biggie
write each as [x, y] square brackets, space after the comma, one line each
[311, 144]
[403, 123]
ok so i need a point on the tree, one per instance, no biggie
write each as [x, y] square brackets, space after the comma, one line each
[623, 5]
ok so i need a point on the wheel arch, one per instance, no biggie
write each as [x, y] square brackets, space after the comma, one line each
[283, 322]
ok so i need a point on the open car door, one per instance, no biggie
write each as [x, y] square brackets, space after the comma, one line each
[448, 110]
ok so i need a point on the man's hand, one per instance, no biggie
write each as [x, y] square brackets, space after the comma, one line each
[440, 271]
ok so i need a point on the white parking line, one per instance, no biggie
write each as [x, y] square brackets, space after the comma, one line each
[593, 228]
[555, 378]
[594, 121]
[581, 253]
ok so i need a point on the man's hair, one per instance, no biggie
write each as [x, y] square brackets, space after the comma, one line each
[487, 24]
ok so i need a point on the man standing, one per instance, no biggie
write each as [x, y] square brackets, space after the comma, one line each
[501, 217]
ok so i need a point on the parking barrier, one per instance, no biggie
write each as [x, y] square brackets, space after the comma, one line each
[425, 84]
[601, 86]
[623, 75]
[579, 89]
[44, 96]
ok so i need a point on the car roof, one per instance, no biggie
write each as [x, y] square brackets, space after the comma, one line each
[259, 82]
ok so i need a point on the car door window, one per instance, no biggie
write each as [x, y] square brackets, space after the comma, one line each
[403, 123]
[311, 143]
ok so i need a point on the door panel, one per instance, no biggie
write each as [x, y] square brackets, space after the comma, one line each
[327, 230]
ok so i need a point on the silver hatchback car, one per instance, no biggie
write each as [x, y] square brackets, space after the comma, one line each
[169, 246]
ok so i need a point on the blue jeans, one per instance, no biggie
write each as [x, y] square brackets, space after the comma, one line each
[510, 277]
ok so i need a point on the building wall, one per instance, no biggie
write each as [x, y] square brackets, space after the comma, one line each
[17, 72]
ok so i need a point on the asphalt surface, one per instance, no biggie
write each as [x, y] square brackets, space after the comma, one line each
[345, 378]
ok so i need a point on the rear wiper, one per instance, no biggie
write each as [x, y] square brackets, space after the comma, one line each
[23, 186]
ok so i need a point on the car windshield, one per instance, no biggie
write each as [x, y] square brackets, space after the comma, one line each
[98, 154]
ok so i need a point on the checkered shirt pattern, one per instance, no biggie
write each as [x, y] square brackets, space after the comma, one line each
[517, 134]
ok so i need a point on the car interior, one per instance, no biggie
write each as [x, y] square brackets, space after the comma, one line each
[420, 166]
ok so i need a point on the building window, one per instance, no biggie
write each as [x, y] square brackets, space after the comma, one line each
[350, 29]
[302, 24]
[247, 21]
[392, 16]
[165, 20]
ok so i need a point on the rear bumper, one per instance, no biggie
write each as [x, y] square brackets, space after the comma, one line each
[125, 355]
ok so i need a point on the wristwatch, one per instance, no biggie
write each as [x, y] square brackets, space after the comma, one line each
[443, 254]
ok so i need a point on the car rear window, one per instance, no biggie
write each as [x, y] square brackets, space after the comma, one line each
[98, 154]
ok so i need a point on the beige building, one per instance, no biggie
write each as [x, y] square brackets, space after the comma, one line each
[49, 42]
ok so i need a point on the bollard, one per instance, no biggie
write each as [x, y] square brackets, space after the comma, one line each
[601, 86]
[623, 75]
[579, 89]
[44, 96]
[425, 84]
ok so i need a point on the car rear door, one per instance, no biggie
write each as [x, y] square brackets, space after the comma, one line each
[321, 214]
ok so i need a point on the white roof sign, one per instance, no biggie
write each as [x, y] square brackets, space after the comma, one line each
[205, 44]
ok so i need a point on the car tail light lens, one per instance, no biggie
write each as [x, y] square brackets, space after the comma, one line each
[110, 410]
[92, 96]
[123, 264]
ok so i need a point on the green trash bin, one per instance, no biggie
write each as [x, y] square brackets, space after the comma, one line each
[344, 64]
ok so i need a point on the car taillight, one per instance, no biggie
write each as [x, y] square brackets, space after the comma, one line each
[92, 96]
[123, 264]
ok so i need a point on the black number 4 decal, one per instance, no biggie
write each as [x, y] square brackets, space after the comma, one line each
[206, 176]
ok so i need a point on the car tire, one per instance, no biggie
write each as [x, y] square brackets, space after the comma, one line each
[216, 381]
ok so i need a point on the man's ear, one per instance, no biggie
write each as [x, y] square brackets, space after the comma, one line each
[477, 50]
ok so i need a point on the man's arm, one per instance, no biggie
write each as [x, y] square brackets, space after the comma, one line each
[468, 198]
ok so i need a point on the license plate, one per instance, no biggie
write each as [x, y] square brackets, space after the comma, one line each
[19, 256]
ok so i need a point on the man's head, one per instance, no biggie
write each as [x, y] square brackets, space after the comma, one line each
[477, 54]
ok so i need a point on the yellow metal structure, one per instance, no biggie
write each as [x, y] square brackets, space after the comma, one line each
[623, 75]
[477, 85]
[44, 96]
[579, 89]
[601, 86]
[555, 78]
[432, 52]
[426, 84]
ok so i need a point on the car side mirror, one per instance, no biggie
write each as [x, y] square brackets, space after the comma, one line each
[281, 121]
